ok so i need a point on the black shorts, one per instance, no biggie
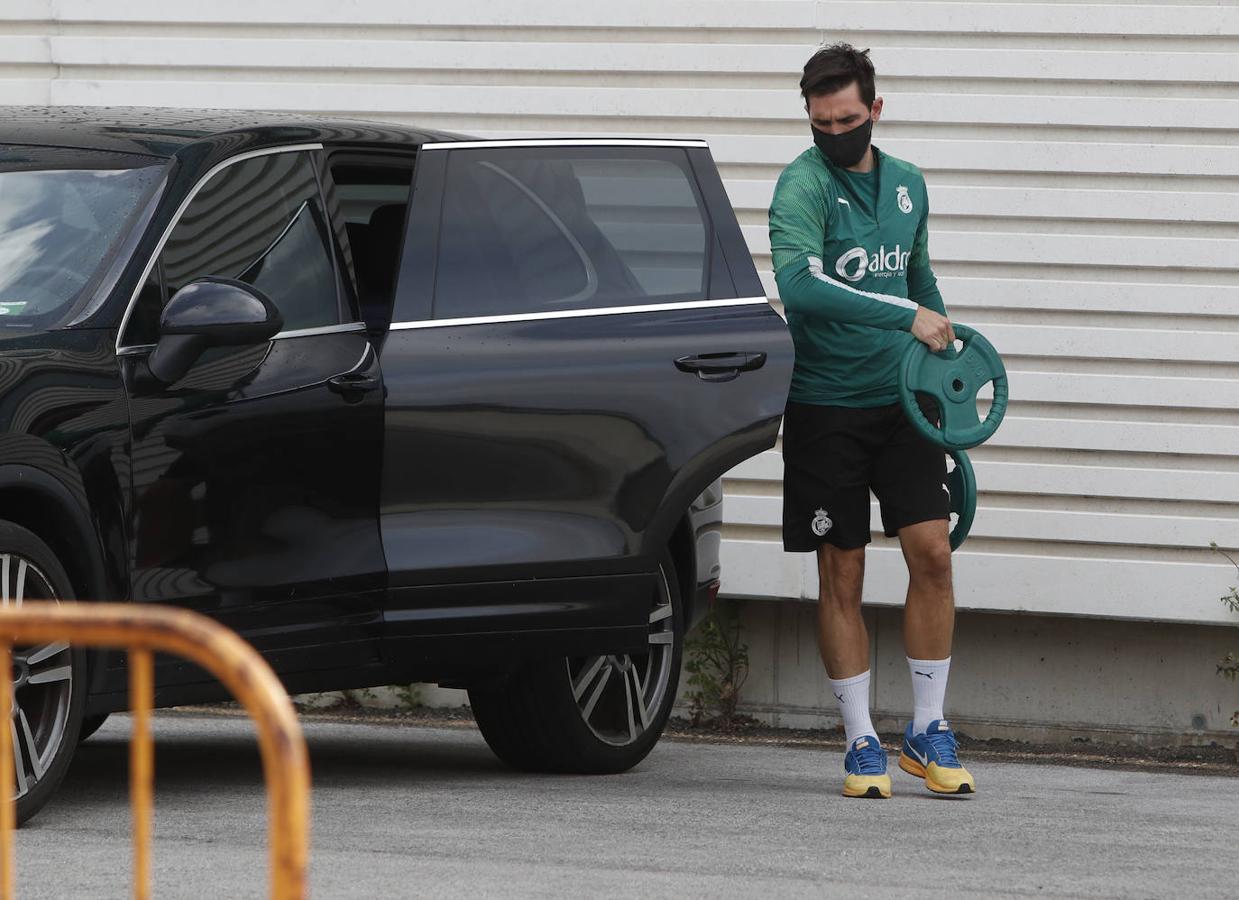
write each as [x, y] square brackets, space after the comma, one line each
[834, 455]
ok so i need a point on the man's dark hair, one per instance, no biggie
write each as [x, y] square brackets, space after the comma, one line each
[833, 68]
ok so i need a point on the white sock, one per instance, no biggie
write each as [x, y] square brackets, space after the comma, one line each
[928, 690]
[853, 696]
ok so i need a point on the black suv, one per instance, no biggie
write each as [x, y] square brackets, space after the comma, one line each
[396, 405]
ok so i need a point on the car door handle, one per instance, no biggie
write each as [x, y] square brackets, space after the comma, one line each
[720, 366]
[351, 385]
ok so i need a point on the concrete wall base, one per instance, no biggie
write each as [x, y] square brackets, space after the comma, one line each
[1014, 676]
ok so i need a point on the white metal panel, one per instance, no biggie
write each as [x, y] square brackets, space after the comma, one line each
[651, 14]
[1038, 479]
[1181, 301]
[1083, 166]
[1112, 587]
[1047, 203]
[1050, 19]
[1056, 525]
[1063, 249]
[578, 56]
[982, 153]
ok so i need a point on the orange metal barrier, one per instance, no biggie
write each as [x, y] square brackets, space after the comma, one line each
[143, 631]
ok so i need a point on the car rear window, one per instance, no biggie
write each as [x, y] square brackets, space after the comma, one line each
[538, 229]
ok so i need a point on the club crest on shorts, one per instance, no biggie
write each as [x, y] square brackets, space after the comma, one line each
[821, 522]
[902, 198]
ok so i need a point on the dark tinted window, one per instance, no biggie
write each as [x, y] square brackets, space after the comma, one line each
[373, 199]
[62, 214]
[259, 221]
[547, 228]
[362, 189]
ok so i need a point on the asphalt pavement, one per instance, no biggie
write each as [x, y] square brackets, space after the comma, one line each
[404, 810]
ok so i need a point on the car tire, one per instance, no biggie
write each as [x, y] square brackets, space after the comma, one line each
[580, 715]
[49, 680]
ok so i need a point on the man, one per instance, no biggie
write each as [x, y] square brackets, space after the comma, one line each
[849, 239]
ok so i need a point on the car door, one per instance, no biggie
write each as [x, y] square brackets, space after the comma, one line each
[574, 356]
[255, 476]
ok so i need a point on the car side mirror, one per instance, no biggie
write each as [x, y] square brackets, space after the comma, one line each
[206, 313]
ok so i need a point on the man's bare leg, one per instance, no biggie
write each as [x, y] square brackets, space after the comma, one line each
[929, 613]
[842, 637]
[928, 628]
[843, 642]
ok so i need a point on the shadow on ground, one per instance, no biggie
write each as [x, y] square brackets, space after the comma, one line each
[183, 762]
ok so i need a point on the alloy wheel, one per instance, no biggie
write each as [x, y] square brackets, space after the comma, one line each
[42, 679]
[619, 695]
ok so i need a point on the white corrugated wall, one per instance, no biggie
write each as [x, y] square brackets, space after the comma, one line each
[1083, 166]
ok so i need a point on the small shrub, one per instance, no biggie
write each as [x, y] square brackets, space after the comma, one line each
[356, 699]
[410, 695]
[717, 662]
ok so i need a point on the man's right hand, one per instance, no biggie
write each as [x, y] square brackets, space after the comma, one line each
[932, 329]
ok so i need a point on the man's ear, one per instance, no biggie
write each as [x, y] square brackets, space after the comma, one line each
[877, 108]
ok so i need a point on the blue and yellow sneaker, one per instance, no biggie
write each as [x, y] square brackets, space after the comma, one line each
[865, 765]
[932, 756]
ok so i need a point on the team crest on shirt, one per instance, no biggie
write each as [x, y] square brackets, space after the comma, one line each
[821, 522]
[901, 196]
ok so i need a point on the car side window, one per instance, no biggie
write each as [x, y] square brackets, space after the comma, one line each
[260, 221]
[373, 198]
[537, 229]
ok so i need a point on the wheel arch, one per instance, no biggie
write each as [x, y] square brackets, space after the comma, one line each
[706, 467]
[672, 525]
[42, 503]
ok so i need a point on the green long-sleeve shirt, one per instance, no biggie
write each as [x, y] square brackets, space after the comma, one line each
[851, 259]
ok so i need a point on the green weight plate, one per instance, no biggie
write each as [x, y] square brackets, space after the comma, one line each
[962, 485]
[952, 381]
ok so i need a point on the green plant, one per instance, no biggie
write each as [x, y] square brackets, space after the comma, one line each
[410, 695]
[1228, 667]
[717, 662]
[356, 699]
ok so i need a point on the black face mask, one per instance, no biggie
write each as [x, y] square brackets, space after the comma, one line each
[845, 149]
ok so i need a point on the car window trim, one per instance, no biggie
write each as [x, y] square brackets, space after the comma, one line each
[565, 142]
[125, 349]
[585, 312]
[342, 328]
